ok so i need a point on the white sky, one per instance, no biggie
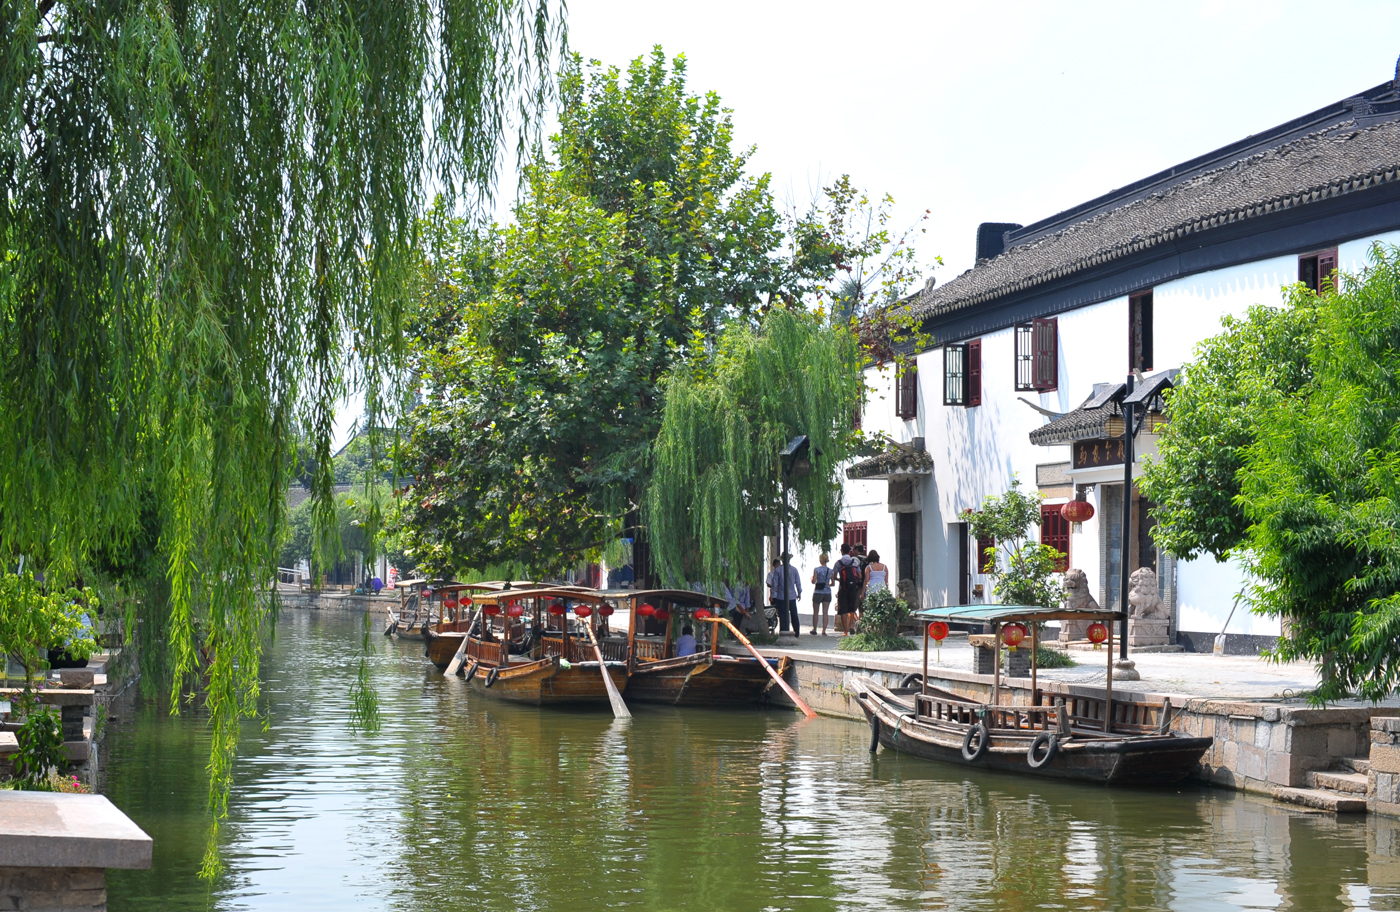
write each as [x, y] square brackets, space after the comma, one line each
[1006, 111]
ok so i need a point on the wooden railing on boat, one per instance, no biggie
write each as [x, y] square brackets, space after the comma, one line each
[650, 650]
[1081, 712]
[614, 650]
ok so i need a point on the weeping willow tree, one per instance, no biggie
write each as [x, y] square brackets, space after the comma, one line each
[208, 223]
[716, 487]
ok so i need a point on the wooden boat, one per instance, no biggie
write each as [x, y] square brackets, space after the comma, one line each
[533, 658]
[1086, 737]
[706, 678]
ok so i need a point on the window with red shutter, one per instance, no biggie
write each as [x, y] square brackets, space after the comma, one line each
[955, 375]
[1025, 357]
[1140, 332]
[853, 534]
[1318, 270]
[1054, 531]
[974, 373]
[986, 555]
[1047, 355]
[906, 382]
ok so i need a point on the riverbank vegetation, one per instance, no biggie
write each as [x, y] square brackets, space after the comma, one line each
[1281, 451]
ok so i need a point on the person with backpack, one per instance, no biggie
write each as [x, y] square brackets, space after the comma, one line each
[821, 592]
[850, 579]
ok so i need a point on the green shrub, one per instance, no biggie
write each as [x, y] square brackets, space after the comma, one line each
[881, 615]
[40, 750]
[1045, 657]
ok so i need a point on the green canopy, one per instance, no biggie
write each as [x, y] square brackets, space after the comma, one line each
[1001, 614]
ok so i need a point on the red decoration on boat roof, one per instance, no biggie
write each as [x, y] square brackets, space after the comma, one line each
[605, 611]
[466, 603]
[558, 609]
[1097, 632]
[938, 631]
[1078, 511]
[662, 614]
[492, 610]
[703, 614]
[583, 611]
[1012, 634]
[515, 609]
[646, 610]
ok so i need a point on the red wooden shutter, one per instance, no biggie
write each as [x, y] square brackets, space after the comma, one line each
[1054, 531]
[1046, 365]
[986, 562]
[907, 392]
[854, 534]
[1326, 270]
[974, 373]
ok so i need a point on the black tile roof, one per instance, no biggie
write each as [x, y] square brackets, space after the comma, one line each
[1334, 162]
[1084, 423]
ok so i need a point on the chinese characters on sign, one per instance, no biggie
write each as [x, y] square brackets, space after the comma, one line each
[1090, 454]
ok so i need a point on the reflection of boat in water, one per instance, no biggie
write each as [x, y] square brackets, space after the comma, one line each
[1085, 736]
[704, 678]
[518, 649]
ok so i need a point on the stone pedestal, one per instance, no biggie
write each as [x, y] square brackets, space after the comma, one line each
[983, 653]
[1018, 662]
[1073, 631]
[1148, 632]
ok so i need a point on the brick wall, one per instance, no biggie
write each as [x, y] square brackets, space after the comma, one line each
[53, 889]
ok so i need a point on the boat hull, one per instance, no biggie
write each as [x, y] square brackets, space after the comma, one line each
[441, 646]
[701, 681]
[1132, 760]
[548, 683]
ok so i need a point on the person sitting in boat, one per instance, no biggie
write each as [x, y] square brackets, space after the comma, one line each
[685, 643]
[526, 643]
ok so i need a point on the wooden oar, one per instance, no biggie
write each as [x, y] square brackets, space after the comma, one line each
[619, 708]
[393, 624]
[456, 662]
[772, 672]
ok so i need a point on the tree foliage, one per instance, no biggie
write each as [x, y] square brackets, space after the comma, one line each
[35, 619]
[1022, 569]
[715, 489]
[543, 347]
[208, 218]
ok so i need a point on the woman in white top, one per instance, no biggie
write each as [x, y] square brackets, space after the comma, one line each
[876, 575]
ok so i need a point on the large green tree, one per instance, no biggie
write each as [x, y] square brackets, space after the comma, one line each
[543, 347]
[1282, 450]
[208, 220]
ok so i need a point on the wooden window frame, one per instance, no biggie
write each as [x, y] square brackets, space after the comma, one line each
[1140, 320]
[855, 534]
[986, 563]
[1318, 270]
[1054, 528]
[974, 373]
[1046, 367]
[955, 374]
[1024, 350]
[906, 391]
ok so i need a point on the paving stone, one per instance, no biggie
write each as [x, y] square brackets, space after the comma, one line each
[1354, 783]
[1321, 799]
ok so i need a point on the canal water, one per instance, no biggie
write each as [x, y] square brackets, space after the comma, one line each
[461, 803]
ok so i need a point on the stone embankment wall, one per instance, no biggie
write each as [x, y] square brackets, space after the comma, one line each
[75, 889]
[337, 601]
[1383, 778]
[1258, 746]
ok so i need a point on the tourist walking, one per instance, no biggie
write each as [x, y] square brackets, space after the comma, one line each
[821, 592]
[876, 576]
[786, 587]
[849, 581]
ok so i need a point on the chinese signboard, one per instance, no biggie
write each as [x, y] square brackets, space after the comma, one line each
[1090, 454]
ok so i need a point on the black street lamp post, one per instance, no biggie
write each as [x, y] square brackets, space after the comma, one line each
[1127, 546]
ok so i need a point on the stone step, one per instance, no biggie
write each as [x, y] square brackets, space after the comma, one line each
[1356, 764]
[1352, 783]
[1322, 800]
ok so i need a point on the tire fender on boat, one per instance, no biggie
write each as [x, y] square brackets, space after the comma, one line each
[471, 672]
[984, 741]
[1051, 743]
[491, 677]
[912, 680]
[874, 732]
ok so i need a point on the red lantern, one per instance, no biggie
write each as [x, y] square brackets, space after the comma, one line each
[605, 611]
[583, 611]
[1078, 511]
[646, 611]
[662, 614]
[515, 609]
[492, 610]
[449, 602]
[1012, 634]
[702, 614]
[1097, 632]
[558, 609]
[466, 603]
[938, 631]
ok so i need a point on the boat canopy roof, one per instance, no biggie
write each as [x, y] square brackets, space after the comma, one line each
[591, 596]
[1001, 614]
[686, 598]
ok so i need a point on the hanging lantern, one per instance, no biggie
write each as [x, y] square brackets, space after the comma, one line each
[1097, 633]
[1012, 635]
[515, 609]
[662, 614]
[492, 610]
[646, 611]
[558, 609]
[605, 611]
[449, 602]
[938, 631]
[583, 611]
[466, 603]
[1078, 511]
[702, 614]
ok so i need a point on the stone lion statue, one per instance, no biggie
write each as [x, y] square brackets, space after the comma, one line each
[1077, 598]
[908, 594]
[1143, 601]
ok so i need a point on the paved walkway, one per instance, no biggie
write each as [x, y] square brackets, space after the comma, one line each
[1190, 673]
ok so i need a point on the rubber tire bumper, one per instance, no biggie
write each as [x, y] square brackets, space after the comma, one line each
[491, 677]
[874, 733]
[983, 743]
[471, 672]
[1052, 747]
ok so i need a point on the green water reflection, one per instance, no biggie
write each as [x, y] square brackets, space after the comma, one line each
[462, 803]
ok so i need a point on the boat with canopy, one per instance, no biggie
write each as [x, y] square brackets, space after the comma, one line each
[523, 645]
[1084, 734]
[706, 677]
